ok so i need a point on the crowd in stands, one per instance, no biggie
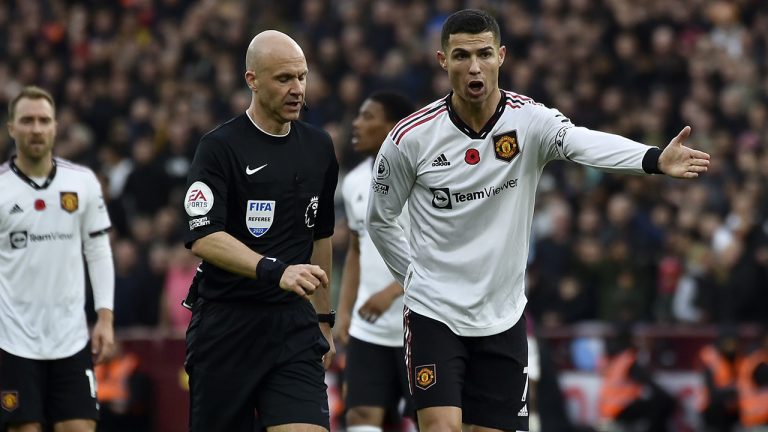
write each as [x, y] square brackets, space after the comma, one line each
[137, 82]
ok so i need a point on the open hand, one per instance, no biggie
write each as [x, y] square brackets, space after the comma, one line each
[680, 161]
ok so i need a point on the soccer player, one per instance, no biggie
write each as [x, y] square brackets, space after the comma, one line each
[468, 165]
[260, 206]
[52, 214]
[373, 328]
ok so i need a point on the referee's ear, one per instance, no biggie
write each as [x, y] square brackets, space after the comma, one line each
[251, 80]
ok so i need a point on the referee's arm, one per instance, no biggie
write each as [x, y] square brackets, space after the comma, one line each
[322, 257]
[227, 253]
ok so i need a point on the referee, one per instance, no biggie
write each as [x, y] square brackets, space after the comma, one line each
[260, 206]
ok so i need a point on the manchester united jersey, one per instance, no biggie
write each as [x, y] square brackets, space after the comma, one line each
[42, 279]
[471, 198]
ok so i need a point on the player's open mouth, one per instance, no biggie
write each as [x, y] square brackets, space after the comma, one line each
[294, 105]
[476, 86]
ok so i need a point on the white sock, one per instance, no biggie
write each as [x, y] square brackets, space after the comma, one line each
[363, 428]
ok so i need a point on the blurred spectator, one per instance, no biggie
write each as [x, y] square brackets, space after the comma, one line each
[753, 388]
[125, 394]
[181, 269]
[629, 397]
[718, 403]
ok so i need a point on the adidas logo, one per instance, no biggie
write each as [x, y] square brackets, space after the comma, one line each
[16, 209]
[523, 411]
[441, 161]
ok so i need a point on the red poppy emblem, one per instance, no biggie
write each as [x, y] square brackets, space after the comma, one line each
[39, 205]
[472, 157]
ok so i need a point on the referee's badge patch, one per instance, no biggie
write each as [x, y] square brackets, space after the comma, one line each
[199, 199]
[259, 215]
[9, 400]
[426, 376]
[69, 201]
[506, 146]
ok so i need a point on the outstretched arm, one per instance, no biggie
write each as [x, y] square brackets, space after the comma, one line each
[680, 161]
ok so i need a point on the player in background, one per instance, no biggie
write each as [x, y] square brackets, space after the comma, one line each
[53, 214]
[370, 312]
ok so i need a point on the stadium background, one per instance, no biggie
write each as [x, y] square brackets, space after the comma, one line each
[137, 83]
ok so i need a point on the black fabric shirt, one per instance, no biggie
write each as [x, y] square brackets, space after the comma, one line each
[274, 194]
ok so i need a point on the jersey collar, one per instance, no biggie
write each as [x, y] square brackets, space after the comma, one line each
[459, 123]
[265, 132]
[31, 182]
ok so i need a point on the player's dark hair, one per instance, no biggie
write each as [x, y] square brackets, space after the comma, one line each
[472, 21]
[396, 106]
[29, 92]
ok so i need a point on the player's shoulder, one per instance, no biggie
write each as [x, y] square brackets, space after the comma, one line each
[70, 168]
[225, 131]
[360, 174]
[309, 128]
[312, 135]
[517, 100]
[6, 174]
[5, 167]
[412, 126]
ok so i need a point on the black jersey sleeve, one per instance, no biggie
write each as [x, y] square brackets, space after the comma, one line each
[206, 199]
[326, 219]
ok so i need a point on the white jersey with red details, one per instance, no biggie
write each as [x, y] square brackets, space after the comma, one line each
[42, 277]
[471, 197]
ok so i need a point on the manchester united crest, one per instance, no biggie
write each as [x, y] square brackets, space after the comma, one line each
[9, 400]
[69, 201]
[425, 376]
[506, 146]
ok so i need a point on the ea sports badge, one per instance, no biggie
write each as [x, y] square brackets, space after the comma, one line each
[199, 199]
[69, 201]
[506, 146]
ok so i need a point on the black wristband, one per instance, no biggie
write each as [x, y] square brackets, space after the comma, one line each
[270, 270]
[651, 161]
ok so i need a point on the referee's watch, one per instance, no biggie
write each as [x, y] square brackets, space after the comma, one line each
[329, 318]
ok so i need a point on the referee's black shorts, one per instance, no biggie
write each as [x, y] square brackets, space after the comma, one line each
[245, 361]
[487, 377]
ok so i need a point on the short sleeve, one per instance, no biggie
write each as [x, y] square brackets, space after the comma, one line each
[205, 201]
[326, 212]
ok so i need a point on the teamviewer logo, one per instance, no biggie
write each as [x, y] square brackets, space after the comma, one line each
[441, 198]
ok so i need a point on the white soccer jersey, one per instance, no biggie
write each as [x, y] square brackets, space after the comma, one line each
[374, 275]
[471, 197]
[42, 280]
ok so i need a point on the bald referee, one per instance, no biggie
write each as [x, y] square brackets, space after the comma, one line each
[260, 206]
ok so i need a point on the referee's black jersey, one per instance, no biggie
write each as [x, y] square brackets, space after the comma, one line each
[274, 194]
